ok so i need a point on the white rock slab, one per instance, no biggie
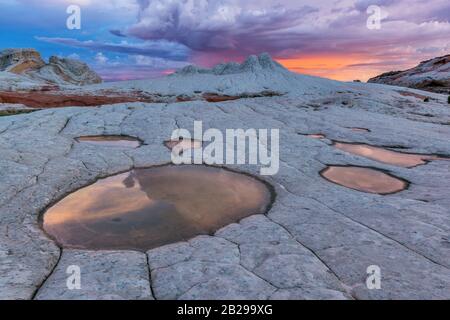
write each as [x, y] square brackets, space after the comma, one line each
[106, 275]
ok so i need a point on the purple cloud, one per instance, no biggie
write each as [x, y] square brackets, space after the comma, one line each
[293, 28]
[118, 33]
[161, 48]
[210, 25]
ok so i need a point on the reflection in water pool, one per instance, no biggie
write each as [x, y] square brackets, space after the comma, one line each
[184, 144]
[356, 129]
[147, 208]
[316, 136]
[407, 160]
[396, 158]
[364, 179]
[111, 141]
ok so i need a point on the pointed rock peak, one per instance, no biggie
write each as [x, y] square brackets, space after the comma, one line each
[251, 63]
[263, 61]
[266, 61]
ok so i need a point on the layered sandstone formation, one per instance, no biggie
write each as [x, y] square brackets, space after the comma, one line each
[431, 75]
[61, 71]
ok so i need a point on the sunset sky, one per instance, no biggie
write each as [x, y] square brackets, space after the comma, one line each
[134, 39]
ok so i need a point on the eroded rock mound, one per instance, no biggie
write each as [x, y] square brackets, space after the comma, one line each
[64, 70]
[431, 75]
[29, 63]
[251, 64]
[19, 61]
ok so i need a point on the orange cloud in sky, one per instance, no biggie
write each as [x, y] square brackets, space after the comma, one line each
[338, 67]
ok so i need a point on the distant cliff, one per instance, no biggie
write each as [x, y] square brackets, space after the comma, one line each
[431, 75]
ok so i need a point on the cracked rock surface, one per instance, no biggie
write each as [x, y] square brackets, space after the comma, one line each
[316, 242]
[104, 275]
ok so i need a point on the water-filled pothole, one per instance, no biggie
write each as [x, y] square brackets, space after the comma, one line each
[183, 143]
[111, 141]
[146, 208]
[382, 154]
[316, 136]
[364, 179]
[357, 129]
[401, 159]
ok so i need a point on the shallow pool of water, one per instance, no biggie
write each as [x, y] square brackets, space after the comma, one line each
[316, 136]
[401, 159]
[364, 179]
[356, 129]
[111, 141]
[147, 208]
[184, 144]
